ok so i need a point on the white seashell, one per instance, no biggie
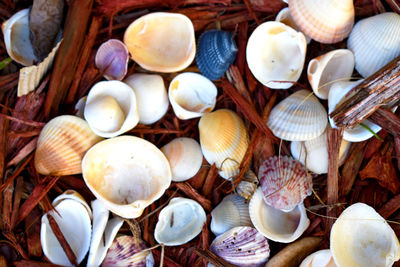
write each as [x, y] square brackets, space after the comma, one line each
[192, 95]
[184, 156]
[375, 41]
[284, 17]
[275, 52]
[80, 107]
[320, 258]
[299, 117]
[72, 194]
[231, 212]
[151, 96]
[322, 71]
[274, 224]
[179, 222]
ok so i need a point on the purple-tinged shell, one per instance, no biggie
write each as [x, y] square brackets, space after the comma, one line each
[284, 182]
[112, 59]
[242, 246]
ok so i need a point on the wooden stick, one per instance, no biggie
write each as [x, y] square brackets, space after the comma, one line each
[212, 258]
[387, 120]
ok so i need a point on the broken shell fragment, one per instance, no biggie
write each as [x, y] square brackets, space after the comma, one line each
[112, 59]
[320, 258]
[248, 185]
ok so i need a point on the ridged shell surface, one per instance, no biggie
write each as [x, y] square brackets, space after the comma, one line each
[216, 51]
[112, 59]
[299, 117]
[223, 140]
[320, 258]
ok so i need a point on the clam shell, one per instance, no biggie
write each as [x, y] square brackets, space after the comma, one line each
[126, 173]
[299, 117]
[223, 140]
[192, 95]
[274, 224]
[62, 144]
[72, 194]
[361, 237]
[375, 41]
[216, 51]
[248, 185]
[242, 246]
[326, 21]
[80, 107]
[162, 42]
[284, 17]
[276, 53]
[179, 222]
[112, 59]
[320, 258]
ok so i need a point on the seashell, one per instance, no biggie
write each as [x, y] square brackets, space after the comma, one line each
[162, 42]
[320, 258]
[112, 59]
[184, 156]
[192, 95]
[62, 144]
[285, 18]
[80, 107]
[299, 117]
[72, 194]
[326, 21]
[375, 41]
[151, 96]
[231, 212]
[274, 224]
[276, 53]
[223, 140]
[242, 246]
[111, 108]
[128, 251]
[179, 222]
[216, 52]
[126, 173]
[332, 66]
[361, 237]
[248, 185]
[284, 182]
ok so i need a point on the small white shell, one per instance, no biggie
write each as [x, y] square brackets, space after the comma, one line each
[248, 185]
[72, 194]
[320, 258]
[284, 17]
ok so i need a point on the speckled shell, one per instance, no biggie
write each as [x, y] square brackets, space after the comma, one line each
[216, 51]
[242, 246]
[320, 258]
[112, 59]
[299, 117]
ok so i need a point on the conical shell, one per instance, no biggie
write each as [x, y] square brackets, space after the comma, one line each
[284, 17]
[247, 185]
[223, 140]
[375, 41]
[326, 21]
[242, 246]
[162, 42]
[62, 144]
[320, 258]
[299, 117]
[361, 237]
[72, 194]
[126, 173]
[112, 59]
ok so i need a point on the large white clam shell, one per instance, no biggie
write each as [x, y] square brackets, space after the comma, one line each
[285, 17]
[320, 258]
[361, 237]
[275, 52]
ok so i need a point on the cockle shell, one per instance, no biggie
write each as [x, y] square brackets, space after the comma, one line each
[321, 258]
[223, 140]
[192, 95]
[179, 222]
[162, 42]
[112, 59]
[126, 173]
[151, 96]
[275, 224]
[62, 144]
[184, 156]
[361, 237]
[299, 117]
[275, 53]
[248, 185]
[111, 108]
[326, 21]
[322, 71]
[284, 17]
[216, 51]
[242, 246]
[375, 41]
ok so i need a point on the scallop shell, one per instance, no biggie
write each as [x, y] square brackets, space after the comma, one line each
[179, 222]
[162, 42]
[112, 59]
[223, 140]
[247, 185]
[361, 237]
[215, 53]
[62, 144]
[375, 41]
[284, 17]
[192, 95]
[320, 258]
[326, 21]
[242, 246]
[277, 225]
[126, 173]
[299, 117]
[332, 66]
[275, 53]
[231, 212]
